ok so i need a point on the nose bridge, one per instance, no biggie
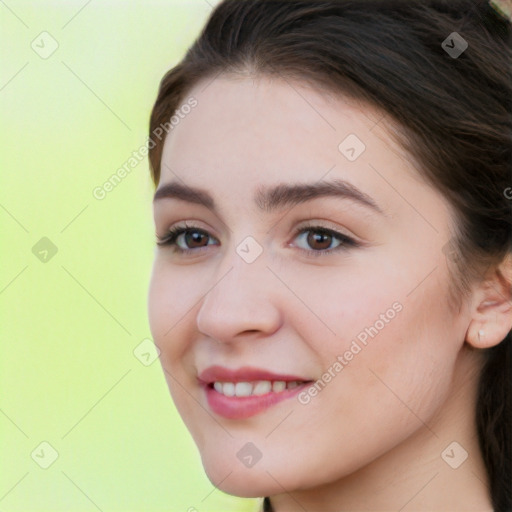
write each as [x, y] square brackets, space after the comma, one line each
[240, 298]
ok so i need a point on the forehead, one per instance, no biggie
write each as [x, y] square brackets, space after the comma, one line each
[247, 131]
[273, 113]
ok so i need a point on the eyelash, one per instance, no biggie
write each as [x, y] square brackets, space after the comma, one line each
[169, 239]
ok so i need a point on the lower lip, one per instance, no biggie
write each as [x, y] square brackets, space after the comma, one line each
[233, 407]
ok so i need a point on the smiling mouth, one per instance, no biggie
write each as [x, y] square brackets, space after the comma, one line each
[238, 401]
[255, 388]
[246, 391]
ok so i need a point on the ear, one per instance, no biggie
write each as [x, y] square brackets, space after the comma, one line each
[492, 307]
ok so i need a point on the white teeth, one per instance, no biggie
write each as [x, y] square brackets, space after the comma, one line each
[228, 389]
[279, 385]
[261, 387]
[243, 389]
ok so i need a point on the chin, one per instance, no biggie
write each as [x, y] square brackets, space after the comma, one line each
[242, 482]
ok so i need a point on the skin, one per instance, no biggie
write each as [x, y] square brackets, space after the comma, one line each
[372, 439]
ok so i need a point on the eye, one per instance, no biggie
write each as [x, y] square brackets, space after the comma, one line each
[319, 240]
[185, 239]
[314, 240]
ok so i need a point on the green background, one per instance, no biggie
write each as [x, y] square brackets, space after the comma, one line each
[71, 321]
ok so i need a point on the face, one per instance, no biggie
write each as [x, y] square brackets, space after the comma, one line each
[338, 292]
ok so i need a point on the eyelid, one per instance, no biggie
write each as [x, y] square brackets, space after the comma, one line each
[185, 224]
[328, 226]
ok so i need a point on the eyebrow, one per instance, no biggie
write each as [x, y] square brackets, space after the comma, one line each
[269, 199]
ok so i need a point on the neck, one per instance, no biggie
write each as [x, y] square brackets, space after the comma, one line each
[415, 475]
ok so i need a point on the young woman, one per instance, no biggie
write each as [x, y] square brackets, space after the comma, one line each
[331, 291]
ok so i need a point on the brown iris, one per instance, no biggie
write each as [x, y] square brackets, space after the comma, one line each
[194, 239]
[319, 237]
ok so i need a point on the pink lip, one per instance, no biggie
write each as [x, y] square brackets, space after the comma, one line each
[233, 407]
[244, 374]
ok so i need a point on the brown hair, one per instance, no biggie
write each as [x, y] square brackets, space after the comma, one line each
[454, 115]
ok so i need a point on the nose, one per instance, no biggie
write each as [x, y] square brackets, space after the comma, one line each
[242, 299]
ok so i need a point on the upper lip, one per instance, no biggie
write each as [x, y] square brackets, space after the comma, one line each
[243, 374]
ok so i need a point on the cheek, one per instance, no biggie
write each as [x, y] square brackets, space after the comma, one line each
[160, 309]
[399, 364]
[171, 297]
[398, 352]
[167, 312]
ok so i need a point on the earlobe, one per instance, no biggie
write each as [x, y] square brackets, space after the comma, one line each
[492, 314]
